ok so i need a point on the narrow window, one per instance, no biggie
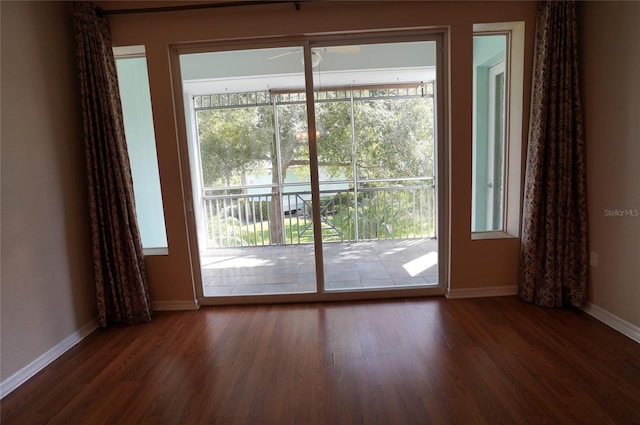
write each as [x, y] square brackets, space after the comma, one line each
[133, 81]
[497, 129]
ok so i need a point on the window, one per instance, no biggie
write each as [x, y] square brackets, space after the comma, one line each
[497, 129]
[133, 82]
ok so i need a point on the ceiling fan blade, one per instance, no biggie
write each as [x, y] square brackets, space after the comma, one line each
[282, 54]
[352, 50]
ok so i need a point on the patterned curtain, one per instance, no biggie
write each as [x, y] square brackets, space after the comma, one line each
[121, 290]
[553, 269]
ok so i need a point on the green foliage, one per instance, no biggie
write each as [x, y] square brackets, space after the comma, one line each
[294, 147]
[383, 214]
[334, 141]
[394, 138]
[233, 142]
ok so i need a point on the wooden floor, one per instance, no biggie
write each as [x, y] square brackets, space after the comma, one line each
[480, 361]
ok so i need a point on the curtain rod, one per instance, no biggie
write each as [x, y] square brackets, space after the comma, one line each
[107, 12]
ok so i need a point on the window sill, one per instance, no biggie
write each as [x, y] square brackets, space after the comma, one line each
[155, 251]
[480, 236]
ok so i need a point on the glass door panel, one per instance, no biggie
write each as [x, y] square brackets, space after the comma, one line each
[249, 162]
[496, 148]
[375, 115]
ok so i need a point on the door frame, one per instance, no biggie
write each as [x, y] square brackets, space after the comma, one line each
[494, 189]
[441, 145]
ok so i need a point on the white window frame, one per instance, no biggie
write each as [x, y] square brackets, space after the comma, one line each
[513, 130]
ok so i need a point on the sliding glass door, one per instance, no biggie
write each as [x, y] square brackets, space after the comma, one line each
[375, 112]
[350, 206]
[250, 171]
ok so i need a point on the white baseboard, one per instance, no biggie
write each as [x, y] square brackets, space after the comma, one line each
[175, 305]
[492, 291]
[610, 319]
[24, 374]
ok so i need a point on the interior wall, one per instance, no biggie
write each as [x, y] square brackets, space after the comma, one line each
[474, 264]
[610, 69]
[47, 290]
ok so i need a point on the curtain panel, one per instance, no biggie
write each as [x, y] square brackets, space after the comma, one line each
[122, 293]
[554, 253]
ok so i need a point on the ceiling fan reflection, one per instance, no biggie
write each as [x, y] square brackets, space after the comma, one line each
[316, 55]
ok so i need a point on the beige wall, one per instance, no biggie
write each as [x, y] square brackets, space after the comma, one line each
[46, 276]
[474, 264]
[610, 67]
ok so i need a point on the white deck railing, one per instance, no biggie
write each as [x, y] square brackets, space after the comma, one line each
[364, 213]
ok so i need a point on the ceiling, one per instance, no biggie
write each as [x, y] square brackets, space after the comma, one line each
[282, 67]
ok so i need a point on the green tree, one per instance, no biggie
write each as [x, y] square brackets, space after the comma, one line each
[394, 138]
[232, 141]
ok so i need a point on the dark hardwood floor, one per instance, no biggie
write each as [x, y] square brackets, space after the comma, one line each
[423, 361]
